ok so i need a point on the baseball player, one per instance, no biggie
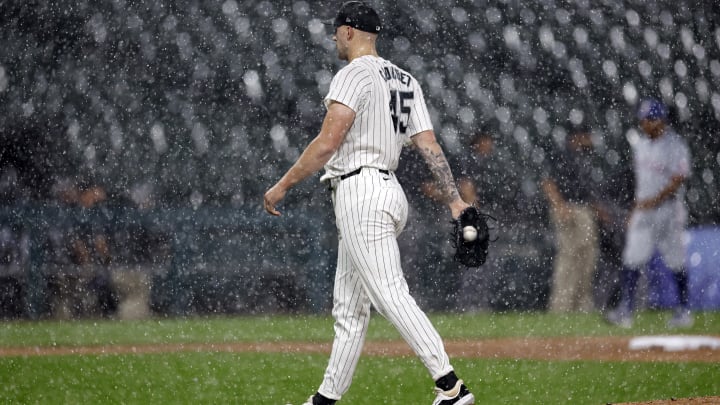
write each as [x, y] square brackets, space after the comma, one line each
[373, 107]
[661, 161]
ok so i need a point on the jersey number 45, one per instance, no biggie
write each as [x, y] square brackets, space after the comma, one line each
[400, 102]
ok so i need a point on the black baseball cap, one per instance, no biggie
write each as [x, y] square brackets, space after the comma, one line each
[359, 15]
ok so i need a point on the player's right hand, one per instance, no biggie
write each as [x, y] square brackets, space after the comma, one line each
[273, 196]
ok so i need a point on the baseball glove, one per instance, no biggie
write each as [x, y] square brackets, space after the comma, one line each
[471, 237]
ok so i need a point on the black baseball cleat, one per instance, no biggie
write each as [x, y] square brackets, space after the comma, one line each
[458, 395]
[318, 399]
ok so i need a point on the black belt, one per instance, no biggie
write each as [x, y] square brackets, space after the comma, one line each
[358, 170]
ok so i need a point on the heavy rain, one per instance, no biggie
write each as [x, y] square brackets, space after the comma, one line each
[138, 139]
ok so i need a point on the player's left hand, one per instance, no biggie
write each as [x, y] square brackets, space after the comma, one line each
[471, 237]
[272, 197]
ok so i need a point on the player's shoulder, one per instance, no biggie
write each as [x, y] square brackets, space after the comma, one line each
[366, 65]
[353, 72]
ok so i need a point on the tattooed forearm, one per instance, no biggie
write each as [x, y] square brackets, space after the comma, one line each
[440, 169]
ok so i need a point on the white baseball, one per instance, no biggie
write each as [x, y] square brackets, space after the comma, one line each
[469, 233]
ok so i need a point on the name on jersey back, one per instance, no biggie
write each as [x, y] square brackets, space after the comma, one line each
[389, 73]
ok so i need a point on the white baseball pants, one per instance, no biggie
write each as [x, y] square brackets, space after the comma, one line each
[664, 228]
[370, 212]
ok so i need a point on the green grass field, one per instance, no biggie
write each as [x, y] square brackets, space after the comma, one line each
[278, 378]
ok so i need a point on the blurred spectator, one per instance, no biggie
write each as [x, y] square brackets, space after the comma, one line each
[13, 256]
[611, 210]
[90, 241]
[661, 161]
[87, 245]
[425, 242]
[138, 241]
[14, 250]
[488, 176]
[14, 247]
[570, 192]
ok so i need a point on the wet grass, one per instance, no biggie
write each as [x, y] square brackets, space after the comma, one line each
[223, 378]
[319, 328]
[255, 378]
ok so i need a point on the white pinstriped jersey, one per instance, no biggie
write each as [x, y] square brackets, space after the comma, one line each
[657, 161]
[389, 108]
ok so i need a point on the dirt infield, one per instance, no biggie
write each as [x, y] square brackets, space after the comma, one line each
[556, 348]
[565, 348]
